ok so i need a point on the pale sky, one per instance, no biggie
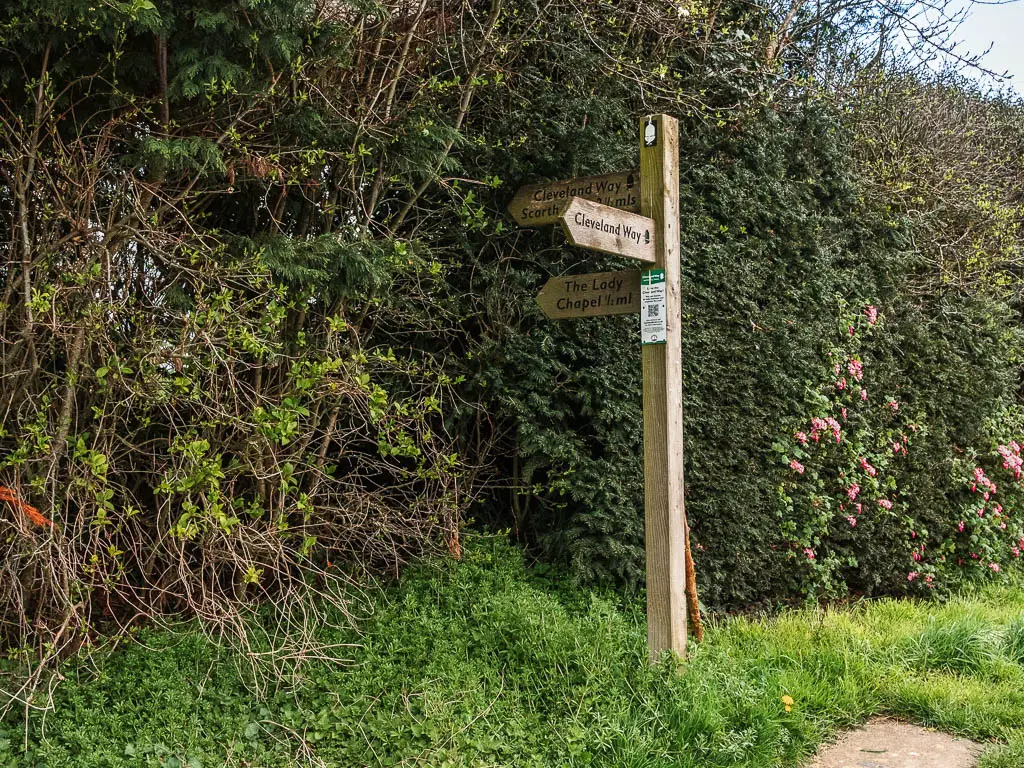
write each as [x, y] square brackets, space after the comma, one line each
[1002, 27]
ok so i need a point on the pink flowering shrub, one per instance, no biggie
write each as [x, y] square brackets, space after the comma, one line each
[854, 502]
[848, 486]
[987, 531]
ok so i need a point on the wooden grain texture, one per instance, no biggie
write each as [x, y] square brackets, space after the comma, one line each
[664, 511]
[591, 295]
[609, 230]
[537, 204]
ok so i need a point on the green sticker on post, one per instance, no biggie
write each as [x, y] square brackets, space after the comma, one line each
[653, 316]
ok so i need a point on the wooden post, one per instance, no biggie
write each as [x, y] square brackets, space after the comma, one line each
[664, 512]
[597, 213]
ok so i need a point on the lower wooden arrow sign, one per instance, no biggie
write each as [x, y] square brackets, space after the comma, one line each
[601, 293]
[609, 230]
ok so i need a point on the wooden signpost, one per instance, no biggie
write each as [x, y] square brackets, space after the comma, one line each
[599, 213]
[664, 511]
[609, 230]
[603, 293]
[538, 204]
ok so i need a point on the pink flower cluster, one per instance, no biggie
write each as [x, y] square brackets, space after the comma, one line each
[872, 314]
[987, 486]
[794, 464]
[928, 579]
[894, 405]
[885, 504]
[1012, 459]
[809, 552]
[856, 369]
[819, 426]
[863, 394]
[852, 520]
[866, 466]
[852, 491]
[801, 437]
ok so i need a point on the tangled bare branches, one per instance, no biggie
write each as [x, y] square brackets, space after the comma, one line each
[196, 416]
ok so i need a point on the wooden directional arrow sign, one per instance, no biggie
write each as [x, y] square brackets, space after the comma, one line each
[601, 228]
[602, 293]
[538, 204]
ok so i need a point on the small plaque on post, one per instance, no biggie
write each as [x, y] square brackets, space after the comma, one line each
[653, 317]
[650, 133]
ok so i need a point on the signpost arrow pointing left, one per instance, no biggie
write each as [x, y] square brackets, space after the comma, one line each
[609, 230]
[537, 204]
[593, 295]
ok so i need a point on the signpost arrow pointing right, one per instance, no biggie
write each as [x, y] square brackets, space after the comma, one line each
[609, 230]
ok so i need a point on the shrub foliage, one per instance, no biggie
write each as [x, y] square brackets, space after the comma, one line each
[264, 319]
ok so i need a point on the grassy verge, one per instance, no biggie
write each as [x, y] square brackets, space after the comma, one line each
[474, 664]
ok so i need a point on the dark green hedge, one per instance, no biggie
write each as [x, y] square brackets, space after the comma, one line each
[779, 239]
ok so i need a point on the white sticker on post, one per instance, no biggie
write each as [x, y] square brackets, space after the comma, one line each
[653, 316]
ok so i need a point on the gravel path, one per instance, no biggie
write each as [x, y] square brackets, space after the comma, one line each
[889, 744]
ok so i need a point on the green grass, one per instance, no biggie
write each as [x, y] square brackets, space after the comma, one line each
[479, 664]
[1014, 641]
